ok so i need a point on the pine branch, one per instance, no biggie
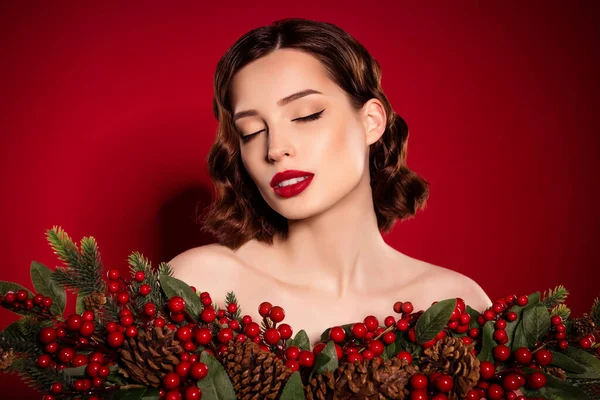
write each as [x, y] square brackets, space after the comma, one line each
[561, 310]
[110, 310]
[554, 296]
[230, 298]
[22, 337]
[137, 262]
[595, 311]
[38, 378]
[83, 271]
[165, 269]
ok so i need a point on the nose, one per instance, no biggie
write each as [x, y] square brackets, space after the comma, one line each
[277, 151]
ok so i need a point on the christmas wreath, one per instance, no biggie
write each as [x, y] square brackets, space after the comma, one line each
[151, 336]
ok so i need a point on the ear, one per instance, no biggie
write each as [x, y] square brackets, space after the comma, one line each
[375, 120]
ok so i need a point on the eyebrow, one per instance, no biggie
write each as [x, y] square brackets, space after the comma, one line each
[282, 102]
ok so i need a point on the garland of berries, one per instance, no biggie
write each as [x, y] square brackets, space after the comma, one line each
[149, 335]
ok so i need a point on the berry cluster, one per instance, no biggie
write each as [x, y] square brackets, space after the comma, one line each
[21, 301]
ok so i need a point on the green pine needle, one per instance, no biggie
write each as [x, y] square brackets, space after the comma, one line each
[561, 310]
[555, 296]
[595, 311]
[230, 298]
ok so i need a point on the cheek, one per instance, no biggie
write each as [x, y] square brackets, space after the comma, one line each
[346, 150]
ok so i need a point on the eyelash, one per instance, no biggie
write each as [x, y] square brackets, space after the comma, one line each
[308, 118]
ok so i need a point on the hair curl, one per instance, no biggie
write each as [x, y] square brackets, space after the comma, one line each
[239, 213]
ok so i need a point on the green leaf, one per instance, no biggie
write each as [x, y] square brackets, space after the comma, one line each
[433, 320]
[216, 385]
[347, 328]
[555, 389]
[326, 360]
[6, 287]
[41, 277]
[488, 343]
[300, 340]
[536, 322]
[175, 287]
[75, 371]
[512, 326]
[293, 390]
[589, 362]
[474, 315]
[567, 363]
[79, 304]
[147, 393]
[520, 338]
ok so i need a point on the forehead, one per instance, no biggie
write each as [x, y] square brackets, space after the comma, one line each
[282, 72]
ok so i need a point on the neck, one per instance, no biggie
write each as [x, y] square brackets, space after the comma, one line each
[338, 245]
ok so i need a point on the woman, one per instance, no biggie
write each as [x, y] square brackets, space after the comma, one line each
[309, 165]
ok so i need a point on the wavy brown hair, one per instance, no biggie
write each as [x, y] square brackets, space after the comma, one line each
[239, 212]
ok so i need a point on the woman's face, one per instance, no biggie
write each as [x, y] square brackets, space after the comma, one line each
[334, 147]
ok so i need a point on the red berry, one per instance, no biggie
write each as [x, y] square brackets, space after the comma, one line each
[306, 358]
[585, 342]
[368, 354]
[150, 309]
[318, 348]
[359, 330]
[183, 368]
[113, 274]
[122, 297]
[272, 336]
[203, 336]
[44, 361]
[418, 381]
[511, 382]
[523, 355]
[389, 321]
[292, 352]
[405, 355]
[355, 357]
[407, 307]
[184, 333]
[113, 286]
[536, 380]
[371, 322]
[501, 352]
[171, 380]
[74, 322]
[487, 370]
[293, 365]
[127, 320]
[173, 395]
[232, 308]
[115, 339]
[139, 276]
[389, 337]
[337, 334]
[398, 307]
[176, 304]
[56, 387]
[199, 370]
[51, 348]
[193, 393]
[131, 331]
[563, 344]
[22, 295]
[252, 330]
[264, 309]
[500, 324]
[145, 290]
[88, 315]
[285, 330]
[543, 357]
[402, 325]
[522, 300]
[208, 315]
[92, 369]
[277, 314]
[87, 329]
[444, 383]
[556, 320]
[499, 335]
[47, 335]
[79, 360]
[495, 392]
[226, 335]
[376, 346]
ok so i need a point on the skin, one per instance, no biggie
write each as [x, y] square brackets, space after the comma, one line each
[334, 267]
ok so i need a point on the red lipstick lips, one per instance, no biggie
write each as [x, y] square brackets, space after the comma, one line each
[293, 189]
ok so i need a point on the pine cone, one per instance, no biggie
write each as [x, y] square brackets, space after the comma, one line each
[255, 373]
[6, 359]
[583, 326]
[149, 356]
[94, 301]
[451, 356]
[368, 379]
[555, 371]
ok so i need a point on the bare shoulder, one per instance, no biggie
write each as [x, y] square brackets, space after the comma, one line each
[449, 283]
[212, 263]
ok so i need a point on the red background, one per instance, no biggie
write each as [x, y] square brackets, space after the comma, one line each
[106, 122]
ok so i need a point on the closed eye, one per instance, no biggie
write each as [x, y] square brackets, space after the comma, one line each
[311, 117]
